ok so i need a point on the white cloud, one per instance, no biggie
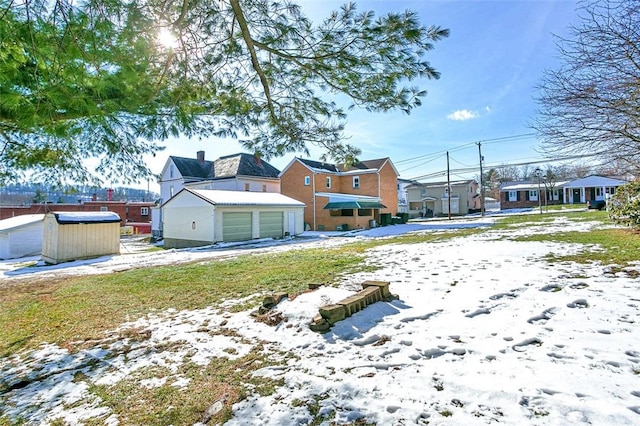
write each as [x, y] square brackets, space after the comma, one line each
[462, 115]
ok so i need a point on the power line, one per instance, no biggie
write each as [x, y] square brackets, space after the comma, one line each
[526, 163]
[428, 158]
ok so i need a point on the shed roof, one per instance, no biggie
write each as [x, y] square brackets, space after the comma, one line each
[68, 218]
[18, 221]
[243, 198]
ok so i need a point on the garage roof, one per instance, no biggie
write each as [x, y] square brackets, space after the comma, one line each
[244, 198]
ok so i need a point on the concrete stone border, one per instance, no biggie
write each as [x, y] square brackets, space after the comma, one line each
[372, 292]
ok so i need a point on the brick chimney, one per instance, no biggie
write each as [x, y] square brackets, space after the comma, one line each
[201, 157]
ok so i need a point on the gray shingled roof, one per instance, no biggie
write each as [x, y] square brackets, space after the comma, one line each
[319, 165]
[361, 165]
[365, 165]
[192, 168]
[225, 167]
[243, 164]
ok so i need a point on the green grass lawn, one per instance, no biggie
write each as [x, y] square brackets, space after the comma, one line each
[79, 309]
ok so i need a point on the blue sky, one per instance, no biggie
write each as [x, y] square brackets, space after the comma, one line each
[490, 66]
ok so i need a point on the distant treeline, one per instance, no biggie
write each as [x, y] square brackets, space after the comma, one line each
[25, 194]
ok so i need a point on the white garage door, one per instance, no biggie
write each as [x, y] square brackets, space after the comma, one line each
[271, 225]
[236, 226]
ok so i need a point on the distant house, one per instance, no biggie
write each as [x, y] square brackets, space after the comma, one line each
[524, 194]
[432, 199]
[237, 172]
[591, 188]
[198, 217]
[403, 200]
[21, 236]
[339, 197]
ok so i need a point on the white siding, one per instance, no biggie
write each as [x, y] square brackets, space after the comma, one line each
[22, 240]
[188, 217]
[197, 218]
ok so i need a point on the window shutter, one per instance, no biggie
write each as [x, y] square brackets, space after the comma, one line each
[526, 195]
[518, 196]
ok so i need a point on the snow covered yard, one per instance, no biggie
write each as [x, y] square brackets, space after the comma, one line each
[485, 331]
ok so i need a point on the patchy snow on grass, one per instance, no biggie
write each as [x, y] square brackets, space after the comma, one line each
[484, 331]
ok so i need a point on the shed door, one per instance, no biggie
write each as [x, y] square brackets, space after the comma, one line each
[236, 226]
[271, 224]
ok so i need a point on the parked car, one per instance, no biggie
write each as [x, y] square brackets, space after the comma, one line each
[596, 204]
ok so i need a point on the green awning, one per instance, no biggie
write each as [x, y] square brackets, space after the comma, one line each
[339, 205]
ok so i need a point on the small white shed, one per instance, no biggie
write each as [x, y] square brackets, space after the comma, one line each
[80, 235]
[198, 217]
[21, 236]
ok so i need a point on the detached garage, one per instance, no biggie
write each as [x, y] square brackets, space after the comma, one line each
[80, 235]
[21, 236]
[199, 217]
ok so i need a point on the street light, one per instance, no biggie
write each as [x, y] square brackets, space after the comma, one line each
[538, 174]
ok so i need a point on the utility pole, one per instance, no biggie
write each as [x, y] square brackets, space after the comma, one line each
[448, 187]
[481, 180]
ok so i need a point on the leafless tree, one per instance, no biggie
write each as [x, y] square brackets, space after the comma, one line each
[591, 103]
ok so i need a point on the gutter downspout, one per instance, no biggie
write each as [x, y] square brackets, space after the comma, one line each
[313, 188]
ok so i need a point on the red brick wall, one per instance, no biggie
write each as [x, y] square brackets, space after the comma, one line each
[292, 185]
[523, 202]
[389, 189]
[127, 213]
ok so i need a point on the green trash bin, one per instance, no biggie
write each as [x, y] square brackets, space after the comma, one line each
[385, 219]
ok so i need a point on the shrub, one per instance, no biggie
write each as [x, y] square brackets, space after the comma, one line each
[624, 205]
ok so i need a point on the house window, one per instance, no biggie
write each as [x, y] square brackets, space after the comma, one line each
[554, 195]
[365, 212]
[171, 171]
[599, 192]
[341, 212]
[307, 180]
[513, 195]
[533, 195]
[171, 191]
[356, 182]
[328, 182]
[246, 186]
[144, 211]
[264, 188]
[104, 209]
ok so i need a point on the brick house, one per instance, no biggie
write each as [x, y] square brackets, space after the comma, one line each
[339, 197]
[524, 194]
